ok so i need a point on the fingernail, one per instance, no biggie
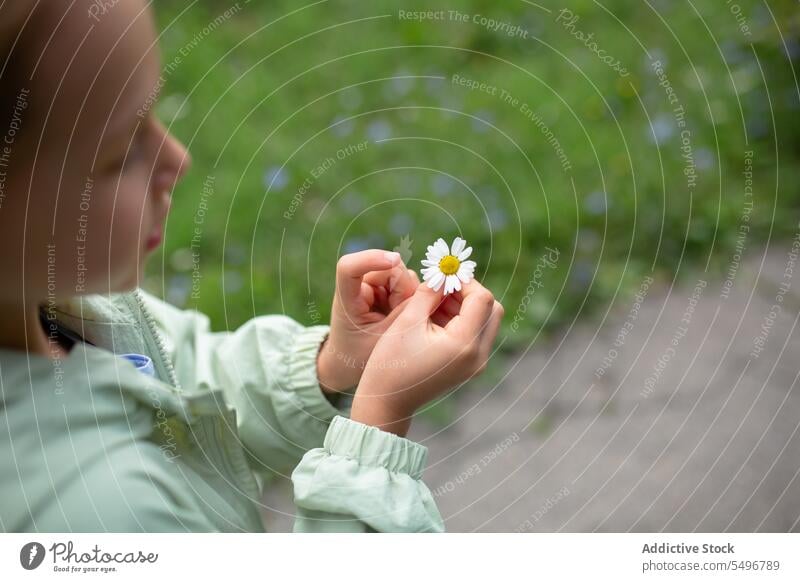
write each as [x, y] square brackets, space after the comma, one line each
[393, 258]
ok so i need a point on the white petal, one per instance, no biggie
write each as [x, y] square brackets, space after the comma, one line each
[465, 276]
[469, 265]
[429, 263]
[463, 255]
[451, 284]
[434, 254]
[458, 246]
[436, 282]
[442, 247]
[456, 283]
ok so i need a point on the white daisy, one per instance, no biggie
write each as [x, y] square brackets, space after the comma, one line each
[448, 265]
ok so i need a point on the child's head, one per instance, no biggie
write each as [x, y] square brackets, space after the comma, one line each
[86, 170]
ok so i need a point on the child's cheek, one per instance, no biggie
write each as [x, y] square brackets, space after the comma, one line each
[134, 221]
[115, 227]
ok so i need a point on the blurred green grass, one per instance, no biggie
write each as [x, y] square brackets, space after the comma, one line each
[264, 97]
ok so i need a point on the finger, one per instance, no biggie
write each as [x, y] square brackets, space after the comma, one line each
[368, 292]
[381, 295]
[448, 309]
[351, 268]
[366, 315]
[389, 318]
[406, 284]
[476, 308]
[397, 281]
[490, 331]
[421, 305]
[440, 318]
[451, 306]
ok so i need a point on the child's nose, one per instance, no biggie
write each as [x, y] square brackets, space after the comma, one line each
[175, 162]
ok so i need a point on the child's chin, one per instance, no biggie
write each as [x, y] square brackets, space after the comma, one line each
[131, 281]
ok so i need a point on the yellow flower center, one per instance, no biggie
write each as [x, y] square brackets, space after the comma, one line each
[449, 265]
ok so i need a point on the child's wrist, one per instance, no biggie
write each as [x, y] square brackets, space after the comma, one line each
[375, 411]
[324, 372]
[329, 371]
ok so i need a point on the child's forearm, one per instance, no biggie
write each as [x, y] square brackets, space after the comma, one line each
[376, 413]
[372, 411]
[323, 370]
[329, 371]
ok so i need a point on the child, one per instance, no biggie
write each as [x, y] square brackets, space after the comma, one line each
[123, 413]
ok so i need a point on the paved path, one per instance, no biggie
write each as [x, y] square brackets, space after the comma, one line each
[706, 440]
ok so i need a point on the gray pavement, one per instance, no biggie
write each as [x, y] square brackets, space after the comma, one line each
[692, 425]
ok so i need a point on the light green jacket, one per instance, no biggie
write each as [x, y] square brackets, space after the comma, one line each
[92, 444]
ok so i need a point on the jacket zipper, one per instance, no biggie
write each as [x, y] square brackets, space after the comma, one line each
[216, 440]
[159, 343]
[244, 481]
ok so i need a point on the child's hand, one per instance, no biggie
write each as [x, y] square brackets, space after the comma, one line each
[424, 353]
[372, 288]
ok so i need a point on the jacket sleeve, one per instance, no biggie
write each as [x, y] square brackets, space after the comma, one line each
[364, 479]
[352, 477]
[267, 370]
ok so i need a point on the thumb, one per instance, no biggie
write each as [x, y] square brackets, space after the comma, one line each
[421, 304]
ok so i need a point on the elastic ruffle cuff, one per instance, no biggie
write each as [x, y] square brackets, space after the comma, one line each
[370, 446]
[301, 377]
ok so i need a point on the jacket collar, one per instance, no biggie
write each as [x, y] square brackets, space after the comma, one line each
[113, 323]
[106, 320]
[97, 308]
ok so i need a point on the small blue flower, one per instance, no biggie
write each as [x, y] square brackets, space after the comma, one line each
[401, 224]
[353, 202]
[235, 254]
[379, 130]
[342, 126]
[276, 178]
[498, 218]
[596, 203]
[662, 129]
[233, 281]
[399, 86]
[442, 185]
[793, 48]
[355, 244]
[656, 54]
[581, 276]
[178, 287]
[704, 159]
[484, 121]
